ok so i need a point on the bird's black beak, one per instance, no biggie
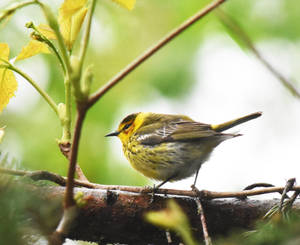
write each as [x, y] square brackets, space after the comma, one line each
[113, 134]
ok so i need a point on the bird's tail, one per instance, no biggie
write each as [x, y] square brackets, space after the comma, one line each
[227, 125]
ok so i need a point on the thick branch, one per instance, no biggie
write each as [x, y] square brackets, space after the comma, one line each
[117, 216]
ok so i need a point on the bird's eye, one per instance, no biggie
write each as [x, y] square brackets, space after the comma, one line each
[126, 126]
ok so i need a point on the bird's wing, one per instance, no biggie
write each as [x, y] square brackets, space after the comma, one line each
[183, 130]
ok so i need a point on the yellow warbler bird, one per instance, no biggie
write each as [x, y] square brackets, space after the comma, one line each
[171, 147]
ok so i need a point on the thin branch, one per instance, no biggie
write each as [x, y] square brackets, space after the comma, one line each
[43, 93]
[137, 62]
[203, 194]
[65, 150]
[244, 37]
[45, 175]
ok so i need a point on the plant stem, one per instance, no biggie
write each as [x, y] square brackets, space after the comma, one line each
[86, 36]
[138, 61]
[7, 12]
[54, 25]
[43, 93]
[50, 44]
[66, 119]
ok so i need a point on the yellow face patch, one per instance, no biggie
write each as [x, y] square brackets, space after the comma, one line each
[129, 125]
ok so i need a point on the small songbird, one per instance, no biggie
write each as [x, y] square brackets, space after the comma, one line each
[171, 147]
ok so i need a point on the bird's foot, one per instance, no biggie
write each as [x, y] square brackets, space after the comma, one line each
[197, 191]
[151, 190]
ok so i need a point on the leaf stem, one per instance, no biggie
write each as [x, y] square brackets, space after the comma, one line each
[43, 93]
[51, 45]
[10, 10]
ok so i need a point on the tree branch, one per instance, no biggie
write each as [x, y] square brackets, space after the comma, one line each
[137, 62]
[204, 194]
[243, 36]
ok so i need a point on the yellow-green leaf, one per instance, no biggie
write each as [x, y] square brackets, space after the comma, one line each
[34, 47]
[77, 21]
[128, 4]
[172, 217]
[4, 51]
[70, 19]
[46, 31]
[8, 83]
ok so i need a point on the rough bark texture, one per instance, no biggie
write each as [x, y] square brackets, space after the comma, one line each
[118, 217]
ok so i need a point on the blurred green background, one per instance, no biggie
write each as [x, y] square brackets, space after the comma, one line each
[119, 36]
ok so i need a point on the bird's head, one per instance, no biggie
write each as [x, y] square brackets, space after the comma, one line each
[128, 126]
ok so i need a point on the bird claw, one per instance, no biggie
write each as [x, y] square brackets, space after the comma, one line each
[151, 190]
[197, 191]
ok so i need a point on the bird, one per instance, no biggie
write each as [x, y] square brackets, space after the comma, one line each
[167, 147]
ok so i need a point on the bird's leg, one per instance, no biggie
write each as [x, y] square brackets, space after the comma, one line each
[196, 176]
[162, 183]
[193, 186]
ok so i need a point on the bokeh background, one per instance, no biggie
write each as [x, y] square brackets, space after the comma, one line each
[204, 73]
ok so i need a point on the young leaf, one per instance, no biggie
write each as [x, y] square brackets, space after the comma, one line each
[47, 31]
[71, 17]
[172, 218]
[34, 47]
[8, 83]
[128, 4]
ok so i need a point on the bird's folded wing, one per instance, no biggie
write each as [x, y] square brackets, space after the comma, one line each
[157, 133]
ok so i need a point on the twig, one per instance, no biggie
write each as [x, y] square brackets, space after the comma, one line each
[206, 236]
[65, 150]
[138, 61]
[168, 236]
[243, 36]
